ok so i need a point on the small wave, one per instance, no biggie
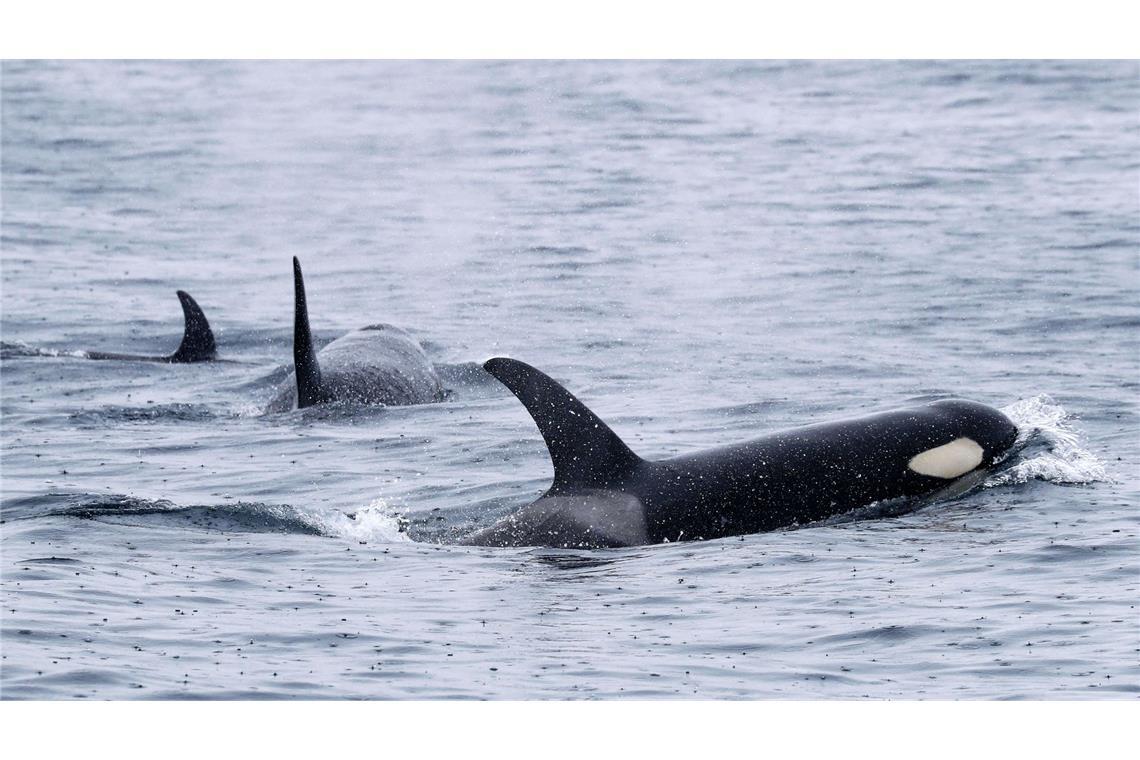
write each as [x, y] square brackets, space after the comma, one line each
[554, 250]
[48, 561]
[79, 142]
[876, 510]
[333, 412]
[915, 183]
[150, 413]
[567, 559]
[15, 349]
[887, 633]
[1043, 421]
[132, 211]
[375, 523]
[969, 102]
[240, 517]
[1096, 245]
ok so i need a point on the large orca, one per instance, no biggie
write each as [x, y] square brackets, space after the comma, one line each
[605, 495]
[197, 339]
[377, 364]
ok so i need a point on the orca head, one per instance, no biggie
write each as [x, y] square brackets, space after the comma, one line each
[983, 435]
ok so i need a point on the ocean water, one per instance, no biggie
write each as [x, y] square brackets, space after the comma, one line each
[701, 251]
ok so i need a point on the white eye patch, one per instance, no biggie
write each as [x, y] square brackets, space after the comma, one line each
[948, 461]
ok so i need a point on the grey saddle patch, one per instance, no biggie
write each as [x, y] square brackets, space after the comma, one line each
[587, 519]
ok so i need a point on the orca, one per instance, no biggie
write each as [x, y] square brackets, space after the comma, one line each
[197, 339]
[378, 364]
[605, 495]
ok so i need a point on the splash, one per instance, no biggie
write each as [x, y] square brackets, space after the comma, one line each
[376, 523]
[1051, 449]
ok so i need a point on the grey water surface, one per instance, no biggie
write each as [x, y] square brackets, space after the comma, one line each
[701, 251]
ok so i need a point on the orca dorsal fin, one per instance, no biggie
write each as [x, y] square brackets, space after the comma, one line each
[584, 451]
[305, 366]
[197, 339]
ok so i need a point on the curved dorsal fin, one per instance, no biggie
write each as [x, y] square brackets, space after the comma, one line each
[583, 449]
[197, 339]
[305, 365]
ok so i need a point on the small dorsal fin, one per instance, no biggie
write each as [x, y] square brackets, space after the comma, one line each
[305, 365]
[583, 449]
[197, 339]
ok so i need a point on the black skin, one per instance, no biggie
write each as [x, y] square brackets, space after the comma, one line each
[605, 495]
[197, 345]
[305, 366]
[390, 368]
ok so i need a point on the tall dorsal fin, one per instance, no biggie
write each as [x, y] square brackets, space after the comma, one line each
[583, 449]
[305, 365]
[197, 339]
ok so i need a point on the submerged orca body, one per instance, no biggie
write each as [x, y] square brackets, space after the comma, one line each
[379, 364]
[197, 339]
[605, 495]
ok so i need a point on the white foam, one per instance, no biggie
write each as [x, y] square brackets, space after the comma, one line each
[377, 523]
[1066, 461]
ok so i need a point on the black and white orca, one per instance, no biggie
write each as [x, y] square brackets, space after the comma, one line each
[604, 495]
[197, 339]
[378, 364]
